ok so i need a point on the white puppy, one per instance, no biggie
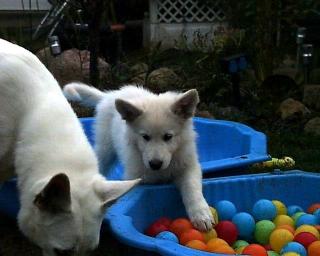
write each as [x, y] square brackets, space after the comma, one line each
[153, 137]
[62, 195]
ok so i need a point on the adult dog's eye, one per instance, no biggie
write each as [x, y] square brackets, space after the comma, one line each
[167, 137]
[146, 137]
[68, 252]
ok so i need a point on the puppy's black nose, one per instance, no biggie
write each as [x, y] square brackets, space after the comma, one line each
[155, 164]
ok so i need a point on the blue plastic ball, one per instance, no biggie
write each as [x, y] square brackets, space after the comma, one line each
[226, 210]
[264, 209]
[245, 224]
[166, 235]
[308, 219]
[294, 247]
[292, 209]
[316, 213]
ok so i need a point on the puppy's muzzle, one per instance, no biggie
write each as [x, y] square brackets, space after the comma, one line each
[155, 164]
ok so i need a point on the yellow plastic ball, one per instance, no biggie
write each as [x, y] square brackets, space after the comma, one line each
[283, 220]
[307, 228]
[290, 254]
[214, 214]
[281, 208]
[279, 238]
[210, 235]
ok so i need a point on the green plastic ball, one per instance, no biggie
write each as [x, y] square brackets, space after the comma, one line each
[263, 231]
[239, 243]
[272, 253]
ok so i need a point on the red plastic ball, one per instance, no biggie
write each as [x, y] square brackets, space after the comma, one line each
[255, 250]
[267, 247]
[305, 238]
[164, 220]
[313, 208]
[155, 228]
[227, 231]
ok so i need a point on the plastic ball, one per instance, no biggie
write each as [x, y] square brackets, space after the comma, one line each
[226, 249]
[279, 238]
[264, 210]
[267, 247]
[189, 235]
[292, 209]
[263, 231]
[198, 245]
[210, 235]
[287, 227]
[239, 250]
[226, 210]
[314, 249]
[245, 224]
[272, 253]
[239, 243]
[306, 219]
[290, 254]
[215, 243]
[294, 247]
[214, 214]
[297, 216]
[313, 208]
[281, 208]
[305, 238]
[255, 250]
[156, 228]
[316, 213]
[180, 225]
[227, 231]
[307, 228]
[167, 235]
[283, 220]
[164, 220]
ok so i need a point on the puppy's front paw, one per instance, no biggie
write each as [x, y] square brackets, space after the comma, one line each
[202, 218]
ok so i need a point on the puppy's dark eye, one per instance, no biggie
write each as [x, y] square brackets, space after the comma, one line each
[68, 252]
[167, 137]
[146, 137]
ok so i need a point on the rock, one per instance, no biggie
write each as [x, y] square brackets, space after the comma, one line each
[291, 109]
[311, 96]
[313, 126]
[72, 65]
[163, 79]
[138, 73]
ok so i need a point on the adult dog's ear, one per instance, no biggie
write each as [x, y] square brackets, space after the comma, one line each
[186, 104]
[110, 191]
[127, 110]
[55, 196]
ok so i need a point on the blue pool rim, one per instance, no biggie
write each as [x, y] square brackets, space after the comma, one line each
[122, 227]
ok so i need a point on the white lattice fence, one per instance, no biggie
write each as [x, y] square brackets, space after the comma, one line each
[169, 19]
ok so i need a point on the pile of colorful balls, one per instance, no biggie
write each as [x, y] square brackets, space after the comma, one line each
[271, 229]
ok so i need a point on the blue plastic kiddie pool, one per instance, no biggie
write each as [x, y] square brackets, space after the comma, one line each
[221, 145]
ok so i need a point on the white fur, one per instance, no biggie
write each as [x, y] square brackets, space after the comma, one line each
[124, 139]
[40, 136]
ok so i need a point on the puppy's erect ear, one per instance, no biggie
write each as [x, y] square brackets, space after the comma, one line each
[110, 191]
[55, 197]
[127, 110]
[186, 104]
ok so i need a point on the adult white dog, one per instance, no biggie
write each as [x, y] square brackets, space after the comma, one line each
[153, 137]
[63, 197]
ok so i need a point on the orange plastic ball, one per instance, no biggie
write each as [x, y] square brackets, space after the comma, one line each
[197, 244]
[215, 243]
[255, 250]
[189, 235]
[226, 249]
[314, 249]
[313, 208]
[287, 227]
[180, 225]
[279, 238]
